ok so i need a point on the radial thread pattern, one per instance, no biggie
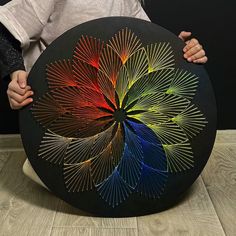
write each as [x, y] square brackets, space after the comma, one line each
[119, 117]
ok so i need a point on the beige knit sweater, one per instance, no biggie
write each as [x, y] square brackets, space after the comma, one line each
[36, 23]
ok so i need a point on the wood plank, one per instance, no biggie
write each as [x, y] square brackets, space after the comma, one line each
[4, 157]
[128, 222]
[25, 207]
[226, 136]
[195, 215]
[10, 141]
[114, 232]
[219, 177]
[74, 231]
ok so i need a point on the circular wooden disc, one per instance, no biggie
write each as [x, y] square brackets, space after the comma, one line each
[121, 124]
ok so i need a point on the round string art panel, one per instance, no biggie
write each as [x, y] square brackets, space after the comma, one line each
[121, 124]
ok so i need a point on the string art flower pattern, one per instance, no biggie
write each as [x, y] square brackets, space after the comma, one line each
[118, 117]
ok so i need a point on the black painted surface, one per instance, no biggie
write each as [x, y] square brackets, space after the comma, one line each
[52, 175]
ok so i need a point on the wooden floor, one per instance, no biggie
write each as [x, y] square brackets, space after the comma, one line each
[208, 209]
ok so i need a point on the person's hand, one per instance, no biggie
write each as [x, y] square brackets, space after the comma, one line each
[18, 91]
[193, 51]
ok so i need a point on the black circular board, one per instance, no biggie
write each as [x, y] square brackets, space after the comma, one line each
[121, 124]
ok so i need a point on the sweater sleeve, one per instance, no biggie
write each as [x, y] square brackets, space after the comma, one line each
[10, 53]
[25, 19]
[138, 11]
